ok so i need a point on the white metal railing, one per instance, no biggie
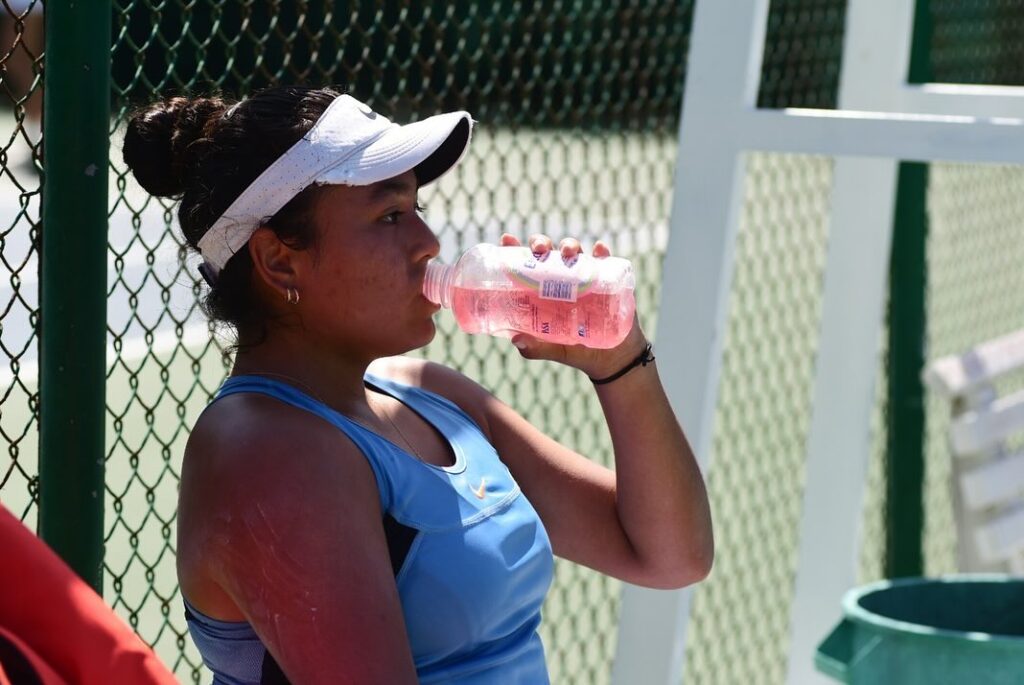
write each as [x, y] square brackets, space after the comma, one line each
[881, 120]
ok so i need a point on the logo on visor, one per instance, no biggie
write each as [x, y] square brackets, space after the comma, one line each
[368, 113]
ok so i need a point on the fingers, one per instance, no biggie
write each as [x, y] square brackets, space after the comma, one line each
[569, 248]
[540, 245]
[531, 348]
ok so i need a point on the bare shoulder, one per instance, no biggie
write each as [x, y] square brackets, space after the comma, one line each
[270, 467]
[469, 395]
[252, 436]
[277, 505]
[249, 445]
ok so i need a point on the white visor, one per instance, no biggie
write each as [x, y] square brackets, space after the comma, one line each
[350, 144]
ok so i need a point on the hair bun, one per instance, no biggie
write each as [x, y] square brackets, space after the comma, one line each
[157, 142]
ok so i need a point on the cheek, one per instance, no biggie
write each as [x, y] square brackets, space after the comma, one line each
[356, 283]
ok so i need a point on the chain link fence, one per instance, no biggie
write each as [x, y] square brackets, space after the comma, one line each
[21, 62]
[580, 140]
[740, 621]
[975, 293]
[976, 234]
[578, 105]
[977, 41]
[741, 614]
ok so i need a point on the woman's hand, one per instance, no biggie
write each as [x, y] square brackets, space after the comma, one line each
[648, 522]
[593, 362]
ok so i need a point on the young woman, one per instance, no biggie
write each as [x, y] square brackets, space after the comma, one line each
[348, 515]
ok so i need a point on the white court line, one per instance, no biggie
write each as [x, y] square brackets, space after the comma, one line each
[133, 348]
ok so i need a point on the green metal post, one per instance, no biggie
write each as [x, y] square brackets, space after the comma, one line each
[907, 330]
[73, 282]
[908, 281]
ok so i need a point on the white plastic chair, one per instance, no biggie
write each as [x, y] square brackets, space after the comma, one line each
[988, 492]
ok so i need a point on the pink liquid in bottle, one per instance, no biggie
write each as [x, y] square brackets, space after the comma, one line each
[504, 291]
[599, 320]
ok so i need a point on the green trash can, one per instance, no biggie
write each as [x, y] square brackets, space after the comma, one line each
[967, 630]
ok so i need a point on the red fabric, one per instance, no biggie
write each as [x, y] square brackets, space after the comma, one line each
[47, 676]
[62, 620]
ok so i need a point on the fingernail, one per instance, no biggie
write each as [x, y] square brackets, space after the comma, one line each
[520, 345]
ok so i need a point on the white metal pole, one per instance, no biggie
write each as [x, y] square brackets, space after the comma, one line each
[720, 122]
[839, 440]
[892, 135]
[722, 80]
[876, 50]
[949, 98]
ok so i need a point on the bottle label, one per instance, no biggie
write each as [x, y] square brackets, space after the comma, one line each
[554, 289]
[550, 279]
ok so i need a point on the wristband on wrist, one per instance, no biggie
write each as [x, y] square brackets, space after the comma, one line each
[643, 359]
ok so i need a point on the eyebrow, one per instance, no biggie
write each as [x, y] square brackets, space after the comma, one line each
[391, 186]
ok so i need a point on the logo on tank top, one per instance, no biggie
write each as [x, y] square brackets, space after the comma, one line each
[481, 491]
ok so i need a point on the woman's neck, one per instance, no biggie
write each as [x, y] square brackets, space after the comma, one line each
[333, 378]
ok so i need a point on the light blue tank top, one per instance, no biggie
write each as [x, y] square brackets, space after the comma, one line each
[474, 576]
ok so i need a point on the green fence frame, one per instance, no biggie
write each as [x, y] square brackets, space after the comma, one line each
[73, 292]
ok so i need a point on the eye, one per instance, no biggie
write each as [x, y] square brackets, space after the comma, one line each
[396, 216]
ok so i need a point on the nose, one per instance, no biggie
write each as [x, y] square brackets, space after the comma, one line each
[426, 245]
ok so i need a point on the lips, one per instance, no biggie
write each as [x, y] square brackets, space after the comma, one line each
[419, 277]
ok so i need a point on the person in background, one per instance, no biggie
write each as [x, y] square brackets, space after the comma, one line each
[348, 514]
[54, 629]
[21, 51]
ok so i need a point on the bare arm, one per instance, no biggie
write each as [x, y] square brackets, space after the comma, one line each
[281, 522]
[661, 498]
[649, 521]
[656, 495]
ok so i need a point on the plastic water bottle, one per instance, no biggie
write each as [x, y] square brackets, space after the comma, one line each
[507, 290]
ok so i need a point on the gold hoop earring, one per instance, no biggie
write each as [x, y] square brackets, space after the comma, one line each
[291, 295]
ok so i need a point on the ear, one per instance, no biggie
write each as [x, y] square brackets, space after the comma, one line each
[274, 261]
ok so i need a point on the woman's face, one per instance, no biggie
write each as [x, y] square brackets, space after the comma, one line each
[363, 284]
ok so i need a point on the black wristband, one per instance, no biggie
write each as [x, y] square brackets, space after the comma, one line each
[643, 359]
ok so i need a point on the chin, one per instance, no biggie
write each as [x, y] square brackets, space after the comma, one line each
[429, 331]
[416, 335]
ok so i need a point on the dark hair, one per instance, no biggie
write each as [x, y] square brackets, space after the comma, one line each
[204, 152]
